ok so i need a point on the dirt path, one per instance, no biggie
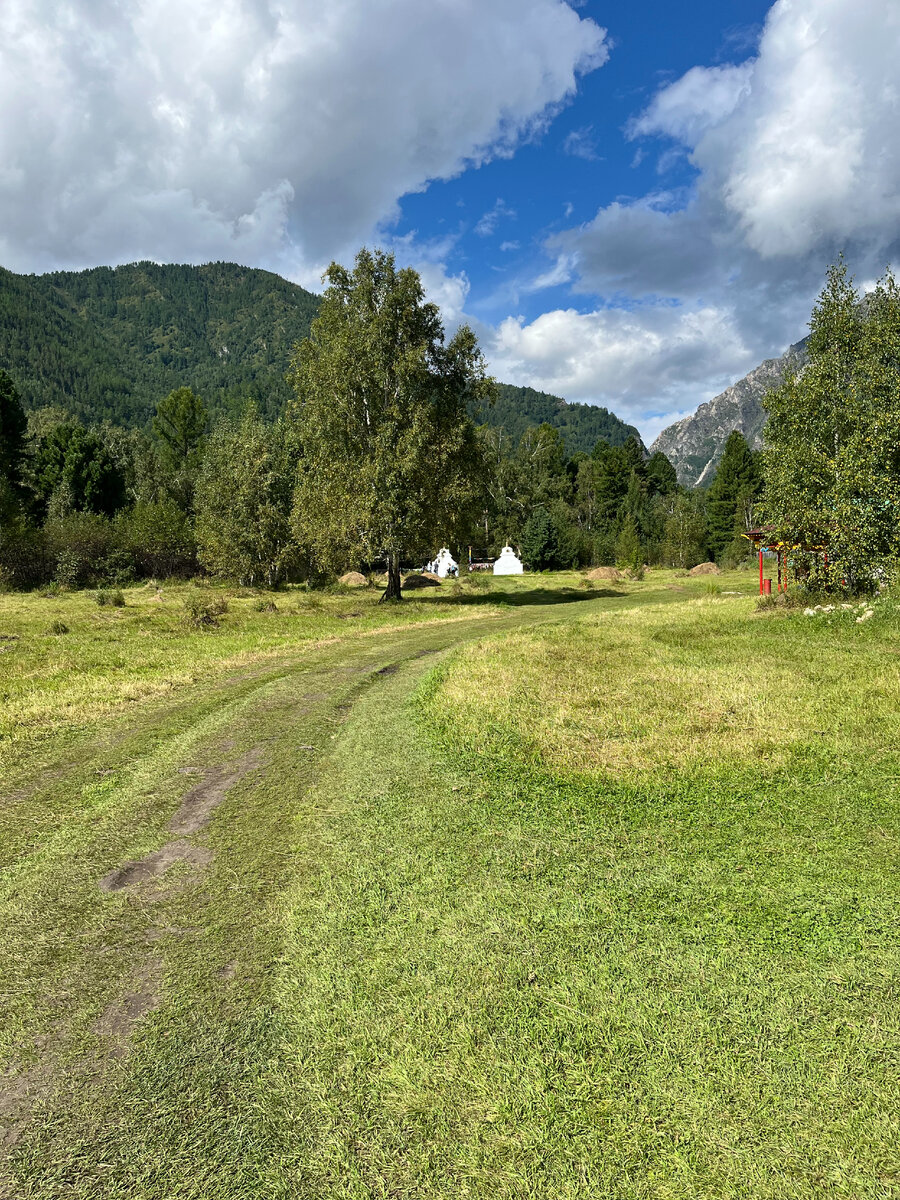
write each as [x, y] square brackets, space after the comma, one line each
[163, 892]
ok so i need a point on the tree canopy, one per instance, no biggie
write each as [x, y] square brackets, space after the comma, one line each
[736, 484]
[391, 464]
[832, 460]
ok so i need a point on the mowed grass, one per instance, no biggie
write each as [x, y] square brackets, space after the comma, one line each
[645, 692]
[111, 658]
[451, 946]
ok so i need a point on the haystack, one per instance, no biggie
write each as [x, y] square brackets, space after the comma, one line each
[411, 582]
[354, 579]
[608, 573]
[707, 568]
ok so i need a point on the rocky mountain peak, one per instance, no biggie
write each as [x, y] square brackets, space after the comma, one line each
[694, 444]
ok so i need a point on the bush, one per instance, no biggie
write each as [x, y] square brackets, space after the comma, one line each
[159, 538]
[58, 627]
[268, 606]
[201, 612]
[113, 599]
[85, 550]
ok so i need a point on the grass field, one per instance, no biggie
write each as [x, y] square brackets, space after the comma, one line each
[532, 889]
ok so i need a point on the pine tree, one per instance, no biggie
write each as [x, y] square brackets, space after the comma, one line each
[737, 479]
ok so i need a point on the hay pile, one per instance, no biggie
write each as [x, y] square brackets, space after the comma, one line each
[608, 573]
[707, 568]
[354, 579]
[411, 582]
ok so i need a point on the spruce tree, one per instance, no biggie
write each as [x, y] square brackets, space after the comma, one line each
[737, 478]
[13, 428]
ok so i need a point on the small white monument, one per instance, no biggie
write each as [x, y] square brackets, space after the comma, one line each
[443, 565]
[508, 563]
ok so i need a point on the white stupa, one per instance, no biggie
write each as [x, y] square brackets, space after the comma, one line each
[508, 563]
[443, 565]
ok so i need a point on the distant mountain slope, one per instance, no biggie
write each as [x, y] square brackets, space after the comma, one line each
[109, 343]
[694, 444]
[581, 425]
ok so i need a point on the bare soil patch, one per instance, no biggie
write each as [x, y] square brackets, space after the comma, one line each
[119, 1018]
[156, 864]
[707, 568]
[197, 806]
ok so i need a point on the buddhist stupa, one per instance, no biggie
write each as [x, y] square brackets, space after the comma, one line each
[508, 563]
[443, 565]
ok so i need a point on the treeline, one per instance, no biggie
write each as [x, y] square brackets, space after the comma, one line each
[91, 505]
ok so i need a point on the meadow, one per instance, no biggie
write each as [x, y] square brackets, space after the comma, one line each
[530, 888]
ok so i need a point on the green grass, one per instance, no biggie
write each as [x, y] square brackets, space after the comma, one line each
[452, 946]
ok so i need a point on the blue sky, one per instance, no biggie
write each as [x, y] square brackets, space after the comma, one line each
[632, 204]
[498, 216]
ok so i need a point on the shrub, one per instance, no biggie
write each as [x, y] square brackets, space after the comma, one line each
[159, 538]
[113, 599]
[268, 606]
[58, 627]
[201, 612]
[85, 550]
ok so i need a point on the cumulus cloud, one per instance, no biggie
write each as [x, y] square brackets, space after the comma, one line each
[797, 158]
[278, 131]
[622, 358]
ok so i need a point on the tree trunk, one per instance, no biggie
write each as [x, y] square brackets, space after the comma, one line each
[392, 591]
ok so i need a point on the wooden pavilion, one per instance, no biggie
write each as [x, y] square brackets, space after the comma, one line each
[765, 541]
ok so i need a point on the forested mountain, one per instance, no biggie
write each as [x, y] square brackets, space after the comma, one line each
[109, 343]
[581, 425]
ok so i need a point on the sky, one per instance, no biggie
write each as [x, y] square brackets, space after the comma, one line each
[632, 203]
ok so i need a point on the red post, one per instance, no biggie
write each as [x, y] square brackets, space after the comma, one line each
[767, 587]
[760, 572]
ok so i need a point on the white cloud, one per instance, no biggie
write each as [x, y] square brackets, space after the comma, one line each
[279, 130]
[487, 225]
[581, 143]
[701, 98]
[619, 358]
[797, 157]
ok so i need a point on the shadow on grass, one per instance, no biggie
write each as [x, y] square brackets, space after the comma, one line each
[539, 595]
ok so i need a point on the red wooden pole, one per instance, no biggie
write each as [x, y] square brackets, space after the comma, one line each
[760, 572]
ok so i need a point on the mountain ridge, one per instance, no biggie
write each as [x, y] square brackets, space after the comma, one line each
[694, 444]
[108, 343]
